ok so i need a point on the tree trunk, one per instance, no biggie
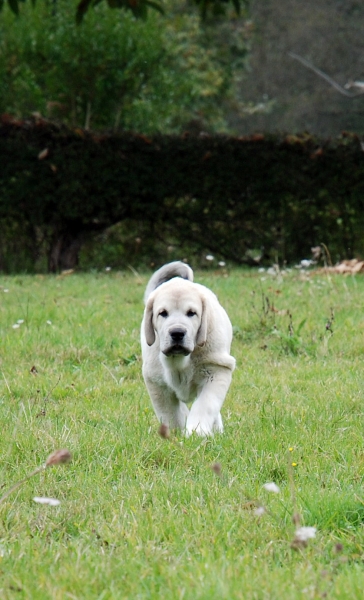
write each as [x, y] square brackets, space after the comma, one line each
[64, 250]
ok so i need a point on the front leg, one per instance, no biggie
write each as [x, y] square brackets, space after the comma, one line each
[205, 417]
[169, 410]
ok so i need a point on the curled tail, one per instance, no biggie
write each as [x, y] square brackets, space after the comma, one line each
[165, 273]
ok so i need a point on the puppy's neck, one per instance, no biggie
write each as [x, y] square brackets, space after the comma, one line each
[179, 375]
[176, 362]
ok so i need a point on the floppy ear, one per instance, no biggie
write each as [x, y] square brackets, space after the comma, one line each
[202, 332]
[148, 324]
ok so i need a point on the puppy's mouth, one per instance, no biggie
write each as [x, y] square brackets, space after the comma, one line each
[176, 350]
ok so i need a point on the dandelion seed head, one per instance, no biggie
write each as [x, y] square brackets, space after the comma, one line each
[259, 511]
[303, 534]
[50, 501]
[306, 263]
[272, 487]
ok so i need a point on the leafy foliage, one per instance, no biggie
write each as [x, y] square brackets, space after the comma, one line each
[139, 8]
[112, 73]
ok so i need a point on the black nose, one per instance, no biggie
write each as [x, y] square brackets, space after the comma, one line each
[177, 334]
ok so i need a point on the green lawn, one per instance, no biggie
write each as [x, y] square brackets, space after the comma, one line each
[145, 517]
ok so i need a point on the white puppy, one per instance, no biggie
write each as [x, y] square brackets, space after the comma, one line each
[186, 337]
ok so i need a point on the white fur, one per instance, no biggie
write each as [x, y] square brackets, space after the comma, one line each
[198, 367]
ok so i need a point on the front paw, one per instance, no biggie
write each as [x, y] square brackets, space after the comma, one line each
[198, 429]
[203, 429]
[203, 425]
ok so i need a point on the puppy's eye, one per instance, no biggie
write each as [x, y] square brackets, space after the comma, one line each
[163, 314]
[191, 313]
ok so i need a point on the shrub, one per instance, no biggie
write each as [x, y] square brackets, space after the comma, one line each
[280, 195]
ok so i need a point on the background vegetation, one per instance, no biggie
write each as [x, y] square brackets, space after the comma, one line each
[142, 516]
[172, 194]
[119, 72]
[171, 73]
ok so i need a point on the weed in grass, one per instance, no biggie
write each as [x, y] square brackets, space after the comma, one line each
[291, 341]
[56, 458]
[272, 324]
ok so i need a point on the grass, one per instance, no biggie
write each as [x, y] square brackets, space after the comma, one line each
[145, 517]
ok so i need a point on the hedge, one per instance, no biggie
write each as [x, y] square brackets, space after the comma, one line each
[279, 194]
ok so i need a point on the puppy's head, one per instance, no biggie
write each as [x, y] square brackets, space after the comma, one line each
[176, 314]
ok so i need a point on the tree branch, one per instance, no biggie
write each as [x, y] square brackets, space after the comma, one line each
[334, 84]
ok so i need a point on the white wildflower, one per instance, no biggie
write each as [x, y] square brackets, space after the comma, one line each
[16, 326]
[6, 291]
[49, 322]
[222, 263]
[303, 534]
[259, 512]
[306, 263]
[107, 269]
[272, 487]
[20, 321]
[209, 257]
[50, 501]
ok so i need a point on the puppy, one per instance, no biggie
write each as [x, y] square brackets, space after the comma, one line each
[185, 337]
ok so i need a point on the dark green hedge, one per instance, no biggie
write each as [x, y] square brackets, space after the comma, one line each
[226, 195]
